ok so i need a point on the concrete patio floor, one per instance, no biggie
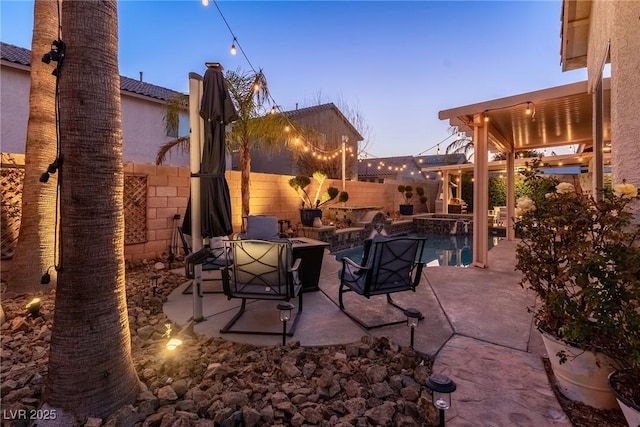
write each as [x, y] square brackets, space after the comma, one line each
[476, 327]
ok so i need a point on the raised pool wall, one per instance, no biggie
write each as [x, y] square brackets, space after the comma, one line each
[374, 222]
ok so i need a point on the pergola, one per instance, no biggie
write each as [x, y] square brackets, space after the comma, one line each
[553, 117]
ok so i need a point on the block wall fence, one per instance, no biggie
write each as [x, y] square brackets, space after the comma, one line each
[167, 194]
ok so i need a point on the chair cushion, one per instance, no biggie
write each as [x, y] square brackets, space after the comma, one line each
[262, 227]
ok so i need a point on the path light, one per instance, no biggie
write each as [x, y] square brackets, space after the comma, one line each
[413, 318]
[285, 315]
[441, 388]
[154, 283]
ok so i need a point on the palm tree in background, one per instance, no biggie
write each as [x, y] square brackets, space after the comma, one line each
[35, 248]
[254, 127]
[461, 145]
[90, 371]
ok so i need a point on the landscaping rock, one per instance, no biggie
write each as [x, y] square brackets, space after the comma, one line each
[210, 382]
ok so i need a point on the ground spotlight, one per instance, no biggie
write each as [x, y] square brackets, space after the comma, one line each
[33, 307]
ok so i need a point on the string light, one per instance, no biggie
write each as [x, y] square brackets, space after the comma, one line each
[308, 144]
[233, 43]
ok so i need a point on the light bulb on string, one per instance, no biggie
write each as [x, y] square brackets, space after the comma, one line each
[233, 43]
[205, 2]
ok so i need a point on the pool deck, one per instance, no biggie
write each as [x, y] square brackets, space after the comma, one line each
[476, 327]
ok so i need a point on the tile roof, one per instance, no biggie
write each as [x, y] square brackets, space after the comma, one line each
[22, 56]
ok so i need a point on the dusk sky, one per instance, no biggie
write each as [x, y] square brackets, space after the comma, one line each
[396, 63]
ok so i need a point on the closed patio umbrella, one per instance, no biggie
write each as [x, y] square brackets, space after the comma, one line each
[217, 110]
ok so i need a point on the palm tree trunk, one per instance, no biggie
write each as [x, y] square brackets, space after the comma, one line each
[35, 248]
[245, 174]
[91, 371]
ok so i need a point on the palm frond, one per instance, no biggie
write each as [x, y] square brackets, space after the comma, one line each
[182, 143]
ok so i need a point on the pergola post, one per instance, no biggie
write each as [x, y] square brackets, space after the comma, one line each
[481, 192]
[511, 181]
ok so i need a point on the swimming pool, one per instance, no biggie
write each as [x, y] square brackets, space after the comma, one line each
[439, 250]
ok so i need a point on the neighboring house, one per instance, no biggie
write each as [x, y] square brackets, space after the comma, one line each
[326, 119]
[403, 168]
[143, 110]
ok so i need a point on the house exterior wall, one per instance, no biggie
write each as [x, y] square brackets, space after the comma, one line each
[282, 161]
[616, 23]
[14, 107]
[143, 128]
[332, 125]
[144, 131]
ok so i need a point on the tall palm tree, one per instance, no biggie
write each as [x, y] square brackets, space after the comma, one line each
[249, 92]
[91, 371]
[35, 249]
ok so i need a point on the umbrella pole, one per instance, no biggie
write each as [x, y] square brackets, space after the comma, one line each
[195, 154]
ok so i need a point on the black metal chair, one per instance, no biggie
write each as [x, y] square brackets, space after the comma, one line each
[260, 270]
[389, 265]
[214, 261]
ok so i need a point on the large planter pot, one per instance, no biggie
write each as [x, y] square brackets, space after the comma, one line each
[630, 410]
[584, 375]
[307, 216]
[406, 209]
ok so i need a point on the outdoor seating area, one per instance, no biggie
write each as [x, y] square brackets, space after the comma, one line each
[484, 351]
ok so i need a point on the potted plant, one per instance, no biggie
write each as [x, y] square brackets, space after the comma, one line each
[406, 208]
[580, 256]
[310, 208]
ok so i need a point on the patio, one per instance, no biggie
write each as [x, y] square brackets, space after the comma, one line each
[476, 327]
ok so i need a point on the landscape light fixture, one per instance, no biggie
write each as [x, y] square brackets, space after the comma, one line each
[441, 388]
[154, 283]
[33, 307]
[413, 318]
[173, 343]
[285, 314]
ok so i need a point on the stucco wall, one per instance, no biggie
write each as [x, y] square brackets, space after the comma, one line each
[617, 23]
[625, 92]
[143, 128]
[144, 131]
[14, 109]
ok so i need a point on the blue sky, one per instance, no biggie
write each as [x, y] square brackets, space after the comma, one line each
[397, 63]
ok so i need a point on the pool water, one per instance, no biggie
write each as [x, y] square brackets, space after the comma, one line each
[439, 250]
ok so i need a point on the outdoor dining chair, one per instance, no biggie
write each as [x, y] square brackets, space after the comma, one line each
[214, 261]
[260, 270]
[259, 227]
[389, 265]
